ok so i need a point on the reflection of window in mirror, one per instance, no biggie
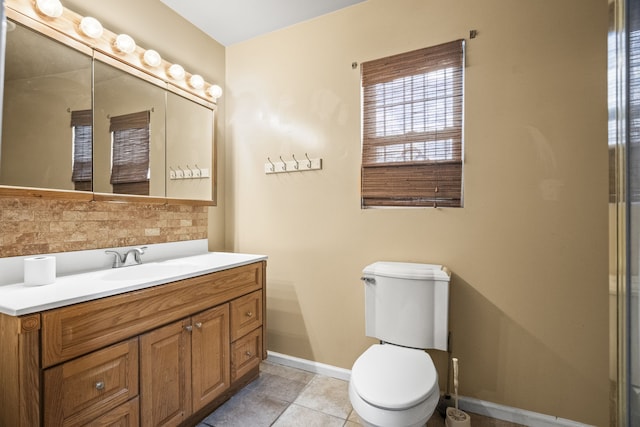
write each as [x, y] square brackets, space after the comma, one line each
[82, 129]
[130, 153]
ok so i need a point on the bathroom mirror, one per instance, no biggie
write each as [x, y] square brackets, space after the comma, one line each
[55, 136]
[45, 81]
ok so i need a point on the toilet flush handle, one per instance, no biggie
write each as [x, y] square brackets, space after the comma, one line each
[368, 280]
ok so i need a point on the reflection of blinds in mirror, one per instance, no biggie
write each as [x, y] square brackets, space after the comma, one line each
[82, 122]
[130, 153]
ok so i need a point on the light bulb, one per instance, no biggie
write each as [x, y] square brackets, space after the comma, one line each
[196, 81]
[125, 44]
[91, 27]
[176, 71]
[50, 8]
[214, 91]
[152, 58]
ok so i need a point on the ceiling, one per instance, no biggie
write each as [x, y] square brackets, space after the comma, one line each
[234, 21]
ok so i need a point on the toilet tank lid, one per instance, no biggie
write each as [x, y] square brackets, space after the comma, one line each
[408, 270]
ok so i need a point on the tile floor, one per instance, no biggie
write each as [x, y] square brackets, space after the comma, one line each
[288, 397]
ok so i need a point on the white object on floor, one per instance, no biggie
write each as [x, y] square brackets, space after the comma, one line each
[455, 417]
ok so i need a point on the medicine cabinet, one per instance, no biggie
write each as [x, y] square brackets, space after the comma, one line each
[51, 79]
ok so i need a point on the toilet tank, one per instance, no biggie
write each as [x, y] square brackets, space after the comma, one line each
[407, 304]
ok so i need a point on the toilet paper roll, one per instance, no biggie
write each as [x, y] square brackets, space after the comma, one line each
[39, 270]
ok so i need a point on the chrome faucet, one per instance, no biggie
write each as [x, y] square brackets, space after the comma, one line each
[121, 260]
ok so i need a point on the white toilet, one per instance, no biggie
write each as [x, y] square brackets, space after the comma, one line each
[394, 384]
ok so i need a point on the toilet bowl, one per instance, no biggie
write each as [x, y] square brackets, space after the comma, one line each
[393, 386]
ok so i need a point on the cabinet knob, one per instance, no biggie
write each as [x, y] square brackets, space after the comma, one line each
[249, 313]
[199, 325]
[188, 328]
[100, 385]
[248, 354]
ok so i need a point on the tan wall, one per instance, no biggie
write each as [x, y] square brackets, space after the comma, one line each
[155, 26]
[529, 298]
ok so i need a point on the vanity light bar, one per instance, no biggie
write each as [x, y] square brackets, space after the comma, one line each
[121, 47]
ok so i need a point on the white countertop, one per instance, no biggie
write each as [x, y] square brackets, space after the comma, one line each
[17, 299]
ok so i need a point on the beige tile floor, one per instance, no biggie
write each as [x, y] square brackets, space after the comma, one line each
[287, 397]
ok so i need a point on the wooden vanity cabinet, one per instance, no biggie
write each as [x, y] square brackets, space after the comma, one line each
[162, 356]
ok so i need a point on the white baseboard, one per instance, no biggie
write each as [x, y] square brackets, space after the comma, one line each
[514, 415]
[309, 366]
[468, 404]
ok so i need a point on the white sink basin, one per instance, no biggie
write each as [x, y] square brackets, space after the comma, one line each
[145, 271]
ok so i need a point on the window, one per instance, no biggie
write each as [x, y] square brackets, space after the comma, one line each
[82, 124]
[130, 153]
[412, 128]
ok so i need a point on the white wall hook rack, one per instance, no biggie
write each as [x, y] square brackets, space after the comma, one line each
[188, 172]
[294, 165]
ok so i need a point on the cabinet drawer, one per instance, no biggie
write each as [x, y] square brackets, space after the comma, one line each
[125, 415]
[246, 314]
[84, 389]
[246, 354]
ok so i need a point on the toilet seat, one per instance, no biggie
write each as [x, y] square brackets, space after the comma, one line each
[392, 377]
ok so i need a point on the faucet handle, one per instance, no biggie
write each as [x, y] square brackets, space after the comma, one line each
[137, 254]
[117, 259]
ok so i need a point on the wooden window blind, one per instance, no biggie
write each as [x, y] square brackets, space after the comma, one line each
[412, 128]
[130, 153]
[82, 171]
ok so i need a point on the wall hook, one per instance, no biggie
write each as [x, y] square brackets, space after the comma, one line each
[290, 166]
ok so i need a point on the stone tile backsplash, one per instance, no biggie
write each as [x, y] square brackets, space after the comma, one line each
[30, 225]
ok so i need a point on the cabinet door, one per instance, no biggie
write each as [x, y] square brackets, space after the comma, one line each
[165, 375]
[210, 355]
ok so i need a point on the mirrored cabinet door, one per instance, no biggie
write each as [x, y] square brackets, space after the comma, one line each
[46, 83]
[129, 133]
[189, 149]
